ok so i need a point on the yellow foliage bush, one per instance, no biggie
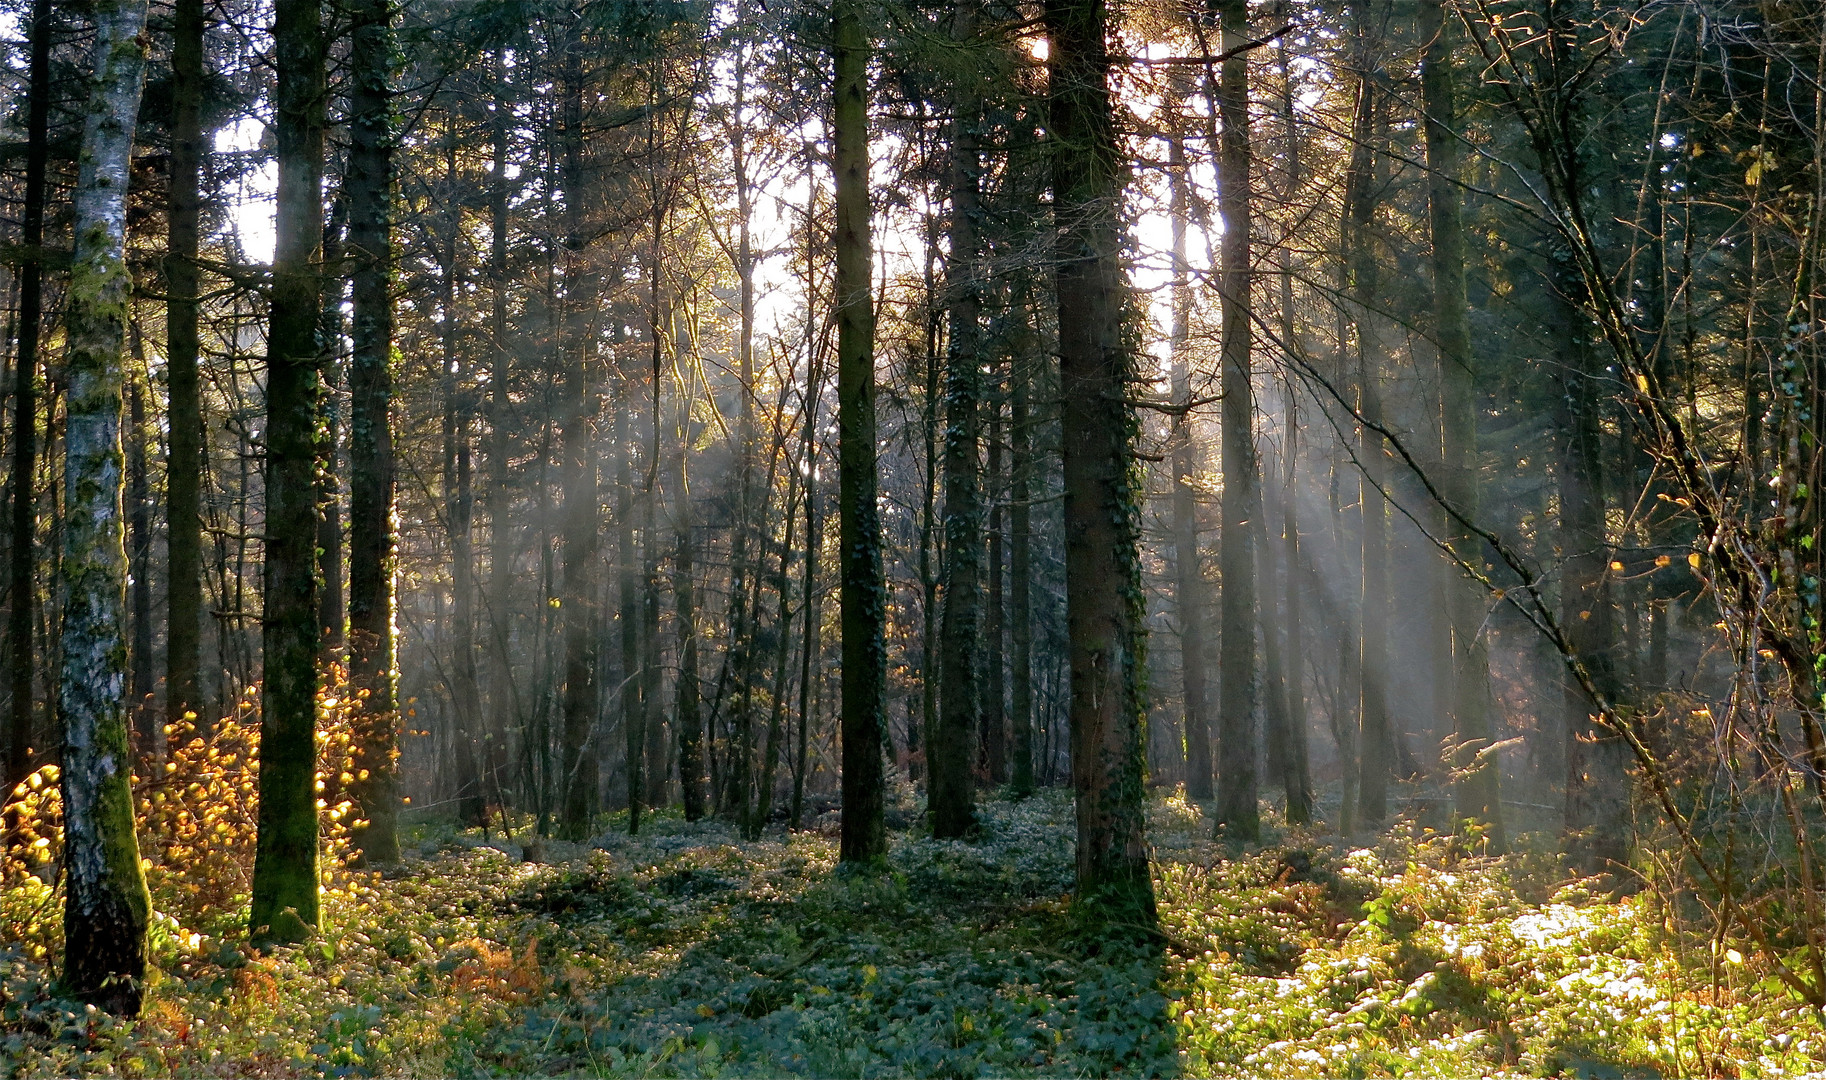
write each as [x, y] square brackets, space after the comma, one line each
[197, 813]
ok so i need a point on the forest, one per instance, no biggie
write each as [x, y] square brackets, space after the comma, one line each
[913, 538]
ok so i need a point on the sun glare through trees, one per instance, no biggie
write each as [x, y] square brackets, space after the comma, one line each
[913, 537]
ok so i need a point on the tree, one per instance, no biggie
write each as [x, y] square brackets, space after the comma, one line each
[1238, 814]
[951, 750]
[285, 903]
[106, 905]
[184, 461]
[1102, 563]
[22, 558]
[372, 670]
[862, 594]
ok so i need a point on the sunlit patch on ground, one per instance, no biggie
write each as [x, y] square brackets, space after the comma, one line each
[685, 952]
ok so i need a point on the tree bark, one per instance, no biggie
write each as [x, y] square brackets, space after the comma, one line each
[285, 886]
[951, 750]
[184, 405]
[1238, 813]
[503, 699]
[459, 510]
[23, 556]
[106, 905]
[139, 553]
[1102, 527]
[1188, 572]
[863, 590]
[581, 523]
[373, 673]
[1020, 566]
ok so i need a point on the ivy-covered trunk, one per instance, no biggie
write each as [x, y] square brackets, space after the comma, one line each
[862, 593]
[106, 907]
[1103, 594]
[952, 749]
[285, 902]
[372, 672]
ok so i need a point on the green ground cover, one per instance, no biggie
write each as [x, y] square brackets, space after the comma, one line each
[689, 953]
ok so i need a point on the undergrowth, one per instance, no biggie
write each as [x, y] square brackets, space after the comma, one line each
[686, 952]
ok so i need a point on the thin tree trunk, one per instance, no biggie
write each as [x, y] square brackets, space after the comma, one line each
[688, 718]
[503, 703]
[581, 525]
[106, 905]
[630, 703]
[1020, 565]
[139, 553]
[459, 509]
[1238, 813]
[1102, 527]
[1189, 577]
[184, 405]
[373, 673]
[951, 750]
[995, 711]
[331, 612]
[285, 885]
[863, 589]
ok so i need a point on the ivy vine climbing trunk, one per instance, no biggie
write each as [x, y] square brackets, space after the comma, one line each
[863, 593]
[1098, 427]
[285, 904]
[106, 906]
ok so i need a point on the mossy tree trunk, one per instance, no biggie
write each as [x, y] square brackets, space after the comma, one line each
[1098, 429]
[285, 903]
[106, 906]
[863, 592]
[372, 662]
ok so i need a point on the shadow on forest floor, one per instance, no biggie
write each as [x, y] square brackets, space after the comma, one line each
[685, 952]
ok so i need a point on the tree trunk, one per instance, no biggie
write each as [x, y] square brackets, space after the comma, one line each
[1188, 573]
[1597, 819]
[459, 509]
[139, 553]
[581, 524]
[863, 592]
[503, 700]
[951, 750]
[184, 405]
[106, 906]
[1475, 793]
[627, 586]
[23, 563]
[688, 718]
[373, 674]
[1238, 814]
[1102, 527]
[285, 886]
[1020, 566]
[331, 612]
[994, 686]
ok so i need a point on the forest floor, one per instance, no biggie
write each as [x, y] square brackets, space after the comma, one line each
[688, 953]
